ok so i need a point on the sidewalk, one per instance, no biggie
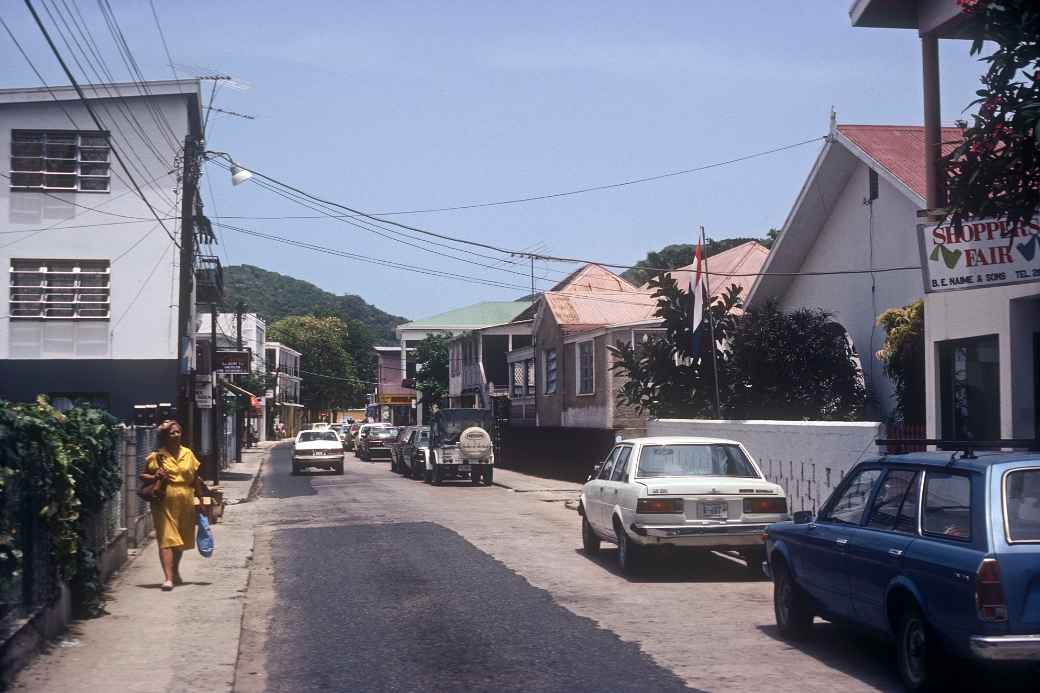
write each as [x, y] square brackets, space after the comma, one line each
[152, 641]
[548, 490]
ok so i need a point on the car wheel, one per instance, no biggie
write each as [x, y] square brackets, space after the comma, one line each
[793, 617]
[754, 558]
[338, 468]
[474, 475]
[630, 554]
[489, 475]
[915, 650]
[437, 475]
[590, 542]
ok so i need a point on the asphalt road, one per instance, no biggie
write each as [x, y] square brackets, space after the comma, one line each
[370, 581]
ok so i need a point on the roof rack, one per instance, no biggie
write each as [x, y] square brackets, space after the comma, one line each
[968, 447]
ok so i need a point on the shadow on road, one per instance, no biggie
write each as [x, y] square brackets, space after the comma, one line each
[679, 566]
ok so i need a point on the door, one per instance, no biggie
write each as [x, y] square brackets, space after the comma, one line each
[615, 487]
[823, 550]
[594, 493]
[875, 550]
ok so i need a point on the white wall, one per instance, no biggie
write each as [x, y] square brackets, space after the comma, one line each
[144, 279]
[1010, 312]
[807, 458]
[844, 244]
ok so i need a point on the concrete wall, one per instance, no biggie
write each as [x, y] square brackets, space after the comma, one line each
[844, 243]
[1010, 312]
[807, 458]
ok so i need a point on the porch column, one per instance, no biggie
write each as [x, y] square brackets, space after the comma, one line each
[934, 184]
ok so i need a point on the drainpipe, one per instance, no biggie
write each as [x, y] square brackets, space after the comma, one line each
[934, 183]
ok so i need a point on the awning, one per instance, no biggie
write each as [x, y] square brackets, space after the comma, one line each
[237, 390]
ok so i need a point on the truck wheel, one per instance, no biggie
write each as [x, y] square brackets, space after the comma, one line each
[474, 476]
[590, 543]
[489, 475]
[427, 475]
[436, 475]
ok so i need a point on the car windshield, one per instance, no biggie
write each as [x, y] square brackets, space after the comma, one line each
[694, 460]
[311, 436]
[382, 433]
[449, 424]
[1022, 505]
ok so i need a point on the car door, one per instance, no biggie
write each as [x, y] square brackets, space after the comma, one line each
[594, 491]
[614, 488]
[875, 550]
[820, 562]
[944, 561]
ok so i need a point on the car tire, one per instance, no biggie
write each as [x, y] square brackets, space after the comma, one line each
[915, 650]
[338, 468]
[437, 475]
[489, 475]
[754, 559]
[475, 476]
[793, 616]
[590, 542]
[630, 554]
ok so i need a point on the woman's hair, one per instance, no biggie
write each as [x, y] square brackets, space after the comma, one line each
[164, 430]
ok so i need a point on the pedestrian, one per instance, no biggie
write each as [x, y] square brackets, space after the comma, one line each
[174, 514]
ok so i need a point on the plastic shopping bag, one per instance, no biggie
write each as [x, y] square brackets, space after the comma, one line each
[204, 537]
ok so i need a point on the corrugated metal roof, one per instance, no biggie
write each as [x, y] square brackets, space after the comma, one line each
[746, 258]
[899, 149]
[471, 317]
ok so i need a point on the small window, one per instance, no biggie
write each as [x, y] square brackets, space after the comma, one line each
[550, 372]
[849, 507]
[529, 366]
[1022, 505]
[66, 289]
[620, 472]
[608, 465]
[890, 501]
[518, 379]
[947, 506]
[59, 160]
[586, 368]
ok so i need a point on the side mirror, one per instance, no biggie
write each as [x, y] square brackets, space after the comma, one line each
[803, 517]
[595, 472]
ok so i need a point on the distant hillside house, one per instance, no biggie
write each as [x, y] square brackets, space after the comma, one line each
[856, 211]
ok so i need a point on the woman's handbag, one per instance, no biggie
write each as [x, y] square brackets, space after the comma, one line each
[154, 490]
[204, 536]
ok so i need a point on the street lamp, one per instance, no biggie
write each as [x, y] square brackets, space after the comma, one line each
[239, 175]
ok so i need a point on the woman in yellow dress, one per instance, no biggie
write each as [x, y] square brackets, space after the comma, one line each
[174, 515]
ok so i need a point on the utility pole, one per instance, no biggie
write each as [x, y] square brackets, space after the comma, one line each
[711, 329]
[185, 306]
[239, 418]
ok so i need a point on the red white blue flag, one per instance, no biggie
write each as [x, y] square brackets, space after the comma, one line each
[699, 290]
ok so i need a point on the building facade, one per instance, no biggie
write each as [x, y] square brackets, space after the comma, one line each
[285, 413]
[90, 307]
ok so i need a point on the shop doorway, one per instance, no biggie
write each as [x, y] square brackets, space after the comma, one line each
[969, 388]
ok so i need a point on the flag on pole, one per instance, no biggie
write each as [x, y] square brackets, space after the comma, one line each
[699, 291]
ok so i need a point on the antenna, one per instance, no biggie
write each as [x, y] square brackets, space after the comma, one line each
[205, 73]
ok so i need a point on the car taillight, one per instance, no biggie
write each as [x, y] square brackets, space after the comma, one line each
[989, 593]
[765, 506]
[652, 506]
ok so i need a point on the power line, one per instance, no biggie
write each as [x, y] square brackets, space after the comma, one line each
[93, 115]
[608, 186]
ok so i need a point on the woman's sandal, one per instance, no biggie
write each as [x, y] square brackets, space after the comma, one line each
[167, 586]
[177, 580]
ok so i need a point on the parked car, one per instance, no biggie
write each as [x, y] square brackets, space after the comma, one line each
[395, 448]
[414, 452]
[342, 431]
[937, 552]
[684, 492]
[321, 449]
[320, 426]
[372, 440]
[461, 446]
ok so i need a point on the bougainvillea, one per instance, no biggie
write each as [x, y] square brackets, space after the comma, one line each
[995, 171]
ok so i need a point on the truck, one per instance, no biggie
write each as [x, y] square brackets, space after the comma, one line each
[461, 446]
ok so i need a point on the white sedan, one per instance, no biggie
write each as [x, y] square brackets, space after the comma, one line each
[322, 449]
[703, 493]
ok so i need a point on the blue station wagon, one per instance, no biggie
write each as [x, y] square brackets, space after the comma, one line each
[939, 552]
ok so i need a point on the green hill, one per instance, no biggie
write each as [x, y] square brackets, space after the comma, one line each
[681, 254]
[275, 296]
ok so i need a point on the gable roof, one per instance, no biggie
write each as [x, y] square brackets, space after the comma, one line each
[592, 277]
[895, 152]
[744, 259]
[472, 317]
[593, 296]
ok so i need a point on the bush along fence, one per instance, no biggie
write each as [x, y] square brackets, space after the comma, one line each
[68, 509]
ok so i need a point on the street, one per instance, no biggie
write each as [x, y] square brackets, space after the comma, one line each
[371, 581]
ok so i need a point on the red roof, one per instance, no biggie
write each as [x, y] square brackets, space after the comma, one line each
[899, 149]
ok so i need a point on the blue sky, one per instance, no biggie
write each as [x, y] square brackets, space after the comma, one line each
[402, 105]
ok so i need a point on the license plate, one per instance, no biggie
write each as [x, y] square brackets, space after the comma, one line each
[464, 467]
[715, 511]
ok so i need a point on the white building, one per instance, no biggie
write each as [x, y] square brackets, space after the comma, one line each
[283, 400]
[90, 307]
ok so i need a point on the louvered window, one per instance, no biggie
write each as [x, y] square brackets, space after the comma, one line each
[60, 289]
[60, 161]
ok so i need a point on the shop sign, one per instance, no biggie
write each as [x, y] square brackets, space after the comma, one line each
[395, 399]
[203, 392]
[233, 362]
[983, 253]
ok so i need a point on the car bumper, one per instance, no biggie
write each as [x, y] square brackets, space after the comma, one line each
[373, 451]
[706, 536]
[1006, 648]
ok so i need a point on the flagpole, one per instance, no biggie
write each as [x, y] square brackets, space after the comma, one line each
[711, 328]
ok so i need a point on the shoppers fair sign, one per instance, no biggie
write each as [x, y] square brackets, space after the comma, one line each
[982, 253]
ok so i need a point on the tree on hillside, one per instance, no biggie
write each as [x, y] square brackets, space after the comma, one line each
[995, 171]
[903, 356]
[796, 365]
[431, 368]
[330, 380]
[678, 255]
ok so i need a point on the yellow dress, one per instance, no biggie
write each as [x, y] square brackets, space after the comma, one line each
[174, 515]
